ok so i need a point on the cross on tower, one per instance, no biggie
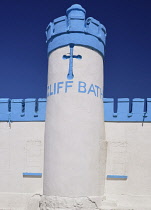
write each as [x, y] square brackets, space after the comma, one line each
[70, 74]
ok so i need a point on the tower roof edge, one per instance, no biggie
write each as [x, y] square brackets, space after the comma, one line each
[75, 28]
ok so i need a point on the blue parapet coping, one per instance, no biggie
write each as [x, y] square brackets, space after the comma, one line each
[16, 109]
[75, 29]
[108, 108]
[32, 174]
[127, 111]
[117, 177]
[30, 109]
[4, 109]
[19, 110]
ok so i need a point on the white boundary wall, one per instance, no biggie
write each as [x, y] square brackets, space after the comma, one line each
[128, 154]
[21, 150]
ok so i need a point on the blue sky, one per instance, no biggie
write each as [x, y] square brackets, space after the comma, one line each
[23, 50]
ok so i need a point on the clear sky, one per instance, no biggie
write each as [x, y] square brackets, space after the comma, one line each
[23, 50]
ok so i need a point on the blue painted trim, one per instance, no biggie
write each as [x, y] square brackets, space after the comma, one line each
[19, 110]
[116, 177]
[75, 29]
[81, 11]
[127, 111]
[4, 100]
[32, 174]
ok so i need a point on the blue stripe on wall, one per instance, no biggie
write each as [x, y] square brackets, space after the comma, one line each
[32, 174]
[116, 177]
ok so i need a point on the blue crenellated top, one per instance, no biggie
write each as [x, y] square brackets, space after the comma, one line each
[137, 110]
[22, 110]
[75, 29]
[17, 110]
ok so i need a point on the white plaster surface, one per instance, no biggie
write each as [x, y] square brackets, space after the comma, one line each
[19, 201]
[74, 135]
[21, 150]
[129, 153]
[128, 147]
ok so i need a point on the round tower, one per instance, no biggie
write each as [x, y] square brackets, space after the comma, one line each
[75, 151]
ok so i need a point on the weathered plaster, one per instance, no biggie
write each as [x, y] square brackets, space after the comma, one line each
[55, 202]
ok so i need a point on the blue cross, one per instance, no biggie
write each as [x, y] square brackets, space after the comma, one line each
[70, 74]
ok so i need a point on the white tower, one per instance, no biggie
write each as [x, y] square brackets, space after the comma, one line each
[75, 151]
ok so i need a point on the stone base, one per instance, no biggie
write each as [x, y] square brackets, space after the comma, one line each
[88, 203]
[63, 203]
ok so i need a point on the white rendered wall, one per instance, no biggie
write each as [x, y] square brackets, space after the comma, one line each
[129, 153]
[21, 150]
[74, 138]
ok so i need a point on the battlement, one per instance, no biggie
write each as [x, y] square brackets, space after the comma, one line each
[74, 28]
[17, 110]
[22, 110]
[137, 110]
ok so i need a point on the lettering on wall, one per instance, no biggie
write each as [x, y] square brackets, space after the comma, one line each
[81, 87]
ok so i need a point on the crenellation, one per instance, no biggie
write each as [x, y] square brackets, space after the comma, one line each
[75, 28]
[138, 109]
[65, 24]
[148, 107]
[108, 108]
[17, 110]
[95, 28]
[127, 110]
[32, 109]
[4, 106]
[49, 31]
[41, 108]
[123, 105]
[59, 25]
